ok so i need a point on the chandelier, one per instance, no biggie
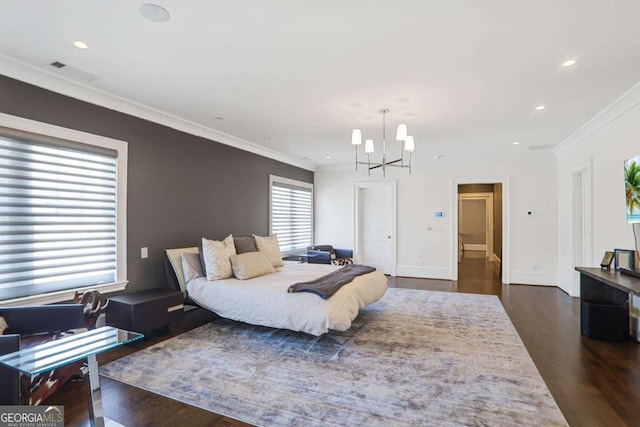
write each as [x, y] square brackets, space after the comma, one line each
[401, 135]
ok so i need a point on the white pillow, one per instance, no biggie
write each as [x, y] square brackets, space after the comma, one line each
[250, 264]
[269, 246]
[216, 257]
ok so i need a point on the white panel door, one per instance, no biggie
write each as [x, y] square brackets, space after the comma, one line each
[376, 226]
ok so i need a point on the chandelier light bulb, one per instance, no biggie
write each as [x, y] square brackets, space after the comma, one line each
[356, 137]
[401, 134]
[409, 145]
[368, 146]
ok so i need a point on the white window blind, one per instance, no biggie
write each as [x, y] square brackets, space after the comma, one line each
[292, 213]
[57, 216]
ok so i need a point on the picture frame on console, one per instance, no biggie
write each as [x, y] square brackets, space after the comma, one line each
[624, 259]
[607, 259]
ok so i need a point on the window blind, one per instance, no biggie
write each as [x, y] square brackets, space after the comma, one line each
[292, 215]
[57, 217]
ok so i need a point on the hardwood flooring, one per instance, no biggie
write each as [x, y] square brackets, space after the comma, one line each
[596, 383]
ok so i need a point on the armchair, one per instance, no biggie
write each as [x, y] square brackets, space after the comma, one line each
[321, 254]
[30, 321]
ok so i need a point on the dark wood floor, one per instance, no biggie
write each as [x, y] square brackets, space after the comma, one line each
[595, 383]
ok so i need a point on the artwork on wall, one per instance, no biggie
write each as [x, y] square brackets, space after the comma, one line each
[632, 188]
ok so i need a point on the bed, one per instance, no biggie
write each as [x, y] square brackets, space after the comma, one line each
[264, 300]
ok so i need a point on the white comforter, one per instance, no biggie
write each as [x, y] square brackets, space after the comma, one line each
[265, 301]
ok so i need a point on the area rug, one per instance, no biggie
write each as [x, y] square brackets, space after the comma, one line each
[413, 358]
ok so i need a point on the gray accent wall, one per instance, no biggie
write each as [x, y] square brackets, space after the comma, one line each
[180, 187]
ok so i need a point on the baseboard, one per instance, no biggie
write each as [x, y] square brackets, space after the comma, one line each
[534, 278]
[566, 285]
[424, 272]
[474, 247]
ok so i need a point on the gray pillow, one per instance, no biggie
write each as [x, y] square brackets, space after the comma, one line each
[245, 244]
[191, 267]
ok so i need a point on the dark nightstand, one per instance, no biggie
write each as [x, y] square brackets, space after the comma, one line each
[145, 311]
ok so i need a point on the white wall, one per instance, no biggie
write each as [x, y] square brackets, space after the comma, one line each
[605, 142]
[422, 253]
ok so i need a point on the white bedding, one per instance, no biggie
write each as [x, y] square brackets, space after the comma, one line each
[265, 301]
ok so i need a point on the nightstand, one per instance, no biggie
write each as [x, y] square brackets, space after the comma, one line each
[145, 311]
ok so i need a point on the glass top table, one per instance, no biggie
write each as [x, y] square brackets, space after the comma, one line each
[60, 352]
[69, 349]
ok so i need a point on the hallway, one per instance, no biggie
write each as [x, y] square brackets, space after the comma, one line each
[477, 275]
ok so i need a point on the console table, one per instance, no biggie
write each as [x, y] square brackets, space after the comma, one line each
[57, 353]
[604, 305]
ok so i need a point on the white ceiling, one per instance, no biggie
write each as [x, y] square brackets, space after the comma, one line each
[296, 76]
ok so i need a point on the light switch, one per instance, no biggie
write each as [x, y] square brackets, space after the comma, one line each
[144, 253]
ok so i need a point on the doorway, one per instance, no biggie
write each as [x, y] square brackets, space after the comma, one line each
[476, 223]
[375, 225]
[486, 203]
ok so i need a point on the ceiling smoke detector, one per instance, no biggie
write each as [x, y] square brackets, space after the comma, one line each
[154, 13]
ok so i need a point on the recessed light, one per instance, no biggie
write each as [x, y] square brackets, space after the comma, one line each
[327, 157]
[569, 63]
[80, 44]
[540, 107]
[516, 143]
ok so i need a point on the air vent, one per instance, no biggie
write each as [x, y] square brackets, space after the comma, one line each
[71, 72]
[539, 147]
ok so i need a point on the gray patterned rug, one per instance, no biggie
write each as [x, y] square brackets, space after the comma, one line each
[413, 358]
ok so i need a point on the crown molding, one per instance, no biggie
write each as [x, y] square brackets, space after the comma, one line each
[624, 103]
[344, 167]
[47, 80]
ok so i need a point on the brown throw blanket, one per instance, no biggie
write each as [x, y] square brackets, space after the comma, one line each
[329, 284]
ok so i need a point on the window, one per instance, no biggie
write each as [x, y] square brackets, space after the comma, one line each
[291, 213]
[62, 212]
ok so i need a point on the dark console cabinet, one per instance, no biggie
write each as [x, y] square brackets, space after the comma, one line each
[145, 311]
[604, 303]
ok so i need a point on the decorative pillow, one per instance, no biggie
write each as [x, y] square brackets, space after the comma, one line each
[191, 267]
[250, 264]
[269, 245]
[3, 325]
[216, 257]
[245, 244]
